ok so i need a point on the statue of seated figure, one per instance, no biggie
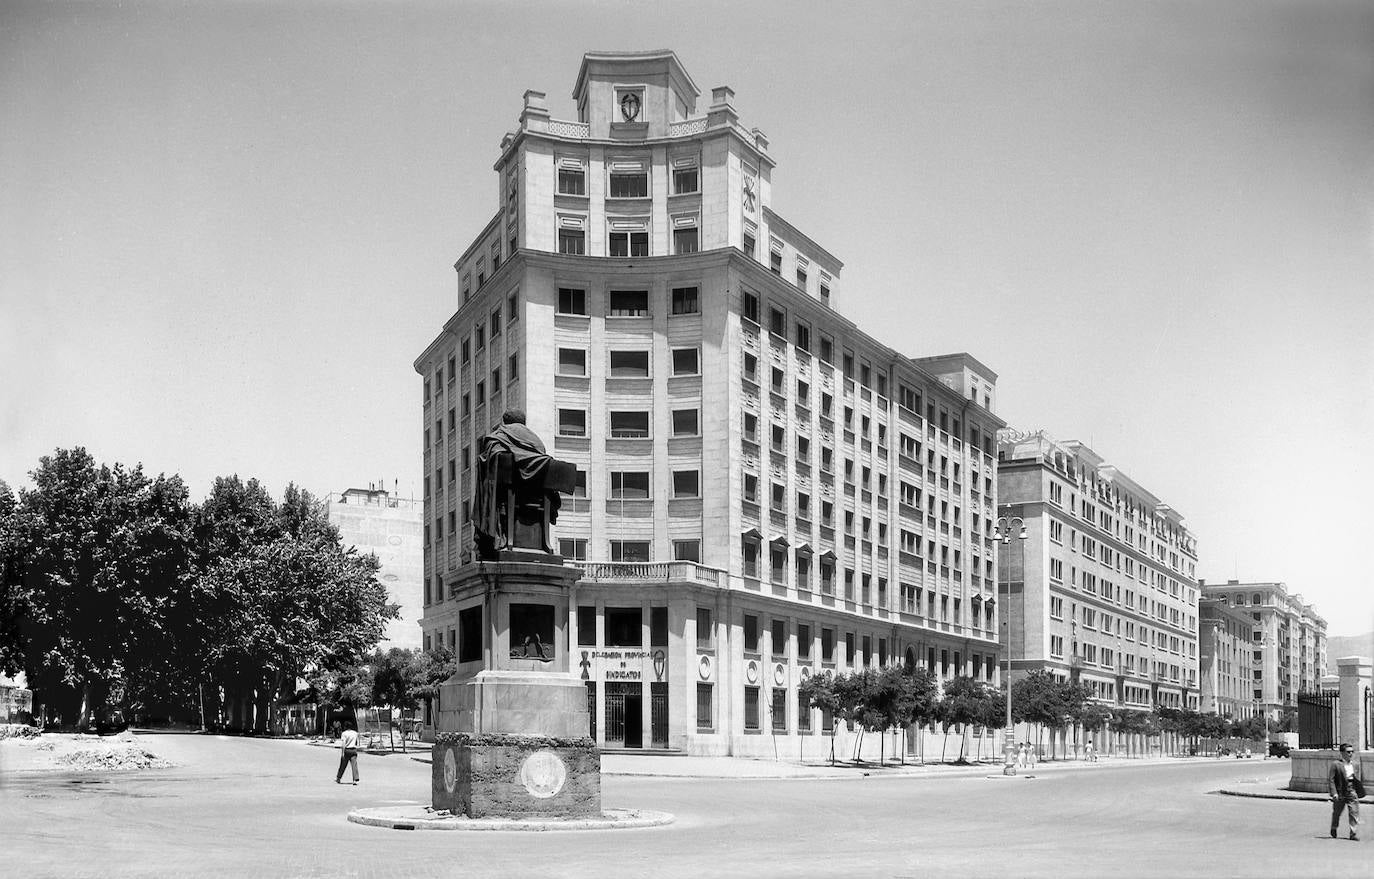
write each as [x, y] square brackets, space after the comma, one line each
[518, 486]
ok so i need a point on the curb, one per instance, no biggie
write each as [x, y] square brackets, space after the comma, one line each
[1283, 794]
[407, 818]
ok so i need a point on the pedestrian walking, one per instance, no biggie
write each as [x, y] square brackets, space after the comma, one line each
[348, 753]
[1090, 751]
[1344, 785]
[1030, 755]
[1020, 755]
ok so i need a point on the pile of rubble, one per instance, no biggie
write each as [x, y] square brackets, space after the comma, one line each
[113, 757]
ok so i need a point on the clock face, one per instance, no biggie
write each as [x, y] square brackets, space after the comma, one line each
[629, 106]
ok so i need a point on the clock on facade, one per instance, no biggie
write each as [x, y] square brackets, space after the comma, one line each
[629, 106]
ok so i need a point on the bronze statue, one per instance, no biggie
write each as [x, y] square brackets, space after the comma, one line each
[518, 485]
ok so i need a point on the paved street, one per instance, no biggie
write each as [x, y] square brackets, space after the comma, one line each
[247, 807]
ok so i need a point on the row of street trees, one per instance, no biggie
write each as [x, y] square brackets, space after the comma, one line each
[115, 588]
[896, 698]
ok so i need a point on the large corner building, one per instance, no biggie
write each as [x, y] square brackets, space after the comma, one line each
[765, 491]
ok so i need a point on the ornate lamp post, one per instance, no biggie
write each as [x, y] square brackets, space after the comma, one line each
[1002, 532]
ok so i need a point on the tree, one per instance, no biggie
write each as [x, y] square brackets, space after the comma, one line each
[818, 691]
[1045, 700]
[103, 552]
[14, 597]
[965, 703]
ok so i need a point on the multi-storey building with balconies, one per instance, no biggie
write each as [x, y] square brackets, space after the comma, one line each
[1286, 638]
[1103, 588]
[765, 491]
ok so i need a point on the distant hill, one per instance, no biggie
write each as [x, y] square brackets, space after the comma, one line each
[1338, 646]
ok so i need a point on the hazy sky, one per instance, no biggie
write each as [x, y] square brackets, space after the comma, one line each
[227, 230]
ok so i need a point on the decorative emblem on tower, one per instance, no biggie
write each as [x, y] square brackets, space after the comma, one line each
[749, 195]
[629, 106]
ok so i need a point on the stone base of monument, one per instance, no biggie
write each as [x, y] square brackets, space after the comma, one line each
[501, 775]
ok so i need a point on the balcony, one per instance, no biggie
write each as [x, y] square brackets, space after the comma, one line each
[661, 572]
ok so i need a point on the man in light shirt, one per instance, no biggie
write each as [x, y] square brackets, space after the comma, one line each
[348, 753]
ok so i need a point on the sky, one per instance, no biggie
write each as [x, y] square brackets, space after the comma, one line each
[228, 229]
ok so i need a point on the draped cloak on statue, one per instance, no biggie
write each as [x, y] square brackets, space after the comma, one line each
[530, 465]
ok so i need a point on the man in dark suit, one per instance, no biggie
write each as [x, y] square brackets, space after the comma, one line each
[1345, 787]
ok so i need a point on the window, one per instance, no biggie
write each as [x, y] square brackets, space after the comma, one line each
[803, 336]
[706, 633]
[1056, 607]
[572, 422]
[686, 299]
[750, 309]
[629, 424]
[778, 639]
[801, 277]
[629, 484]
[775, 262]
[629, 244]
[705, 707]
[825, 291]
[572, 241]
[777, 322]
[629, 303]
[684, 180]
[629, 364]
[779, 710]
[574, 548]
[751, 633]
[624, 626]
[685, 361]
[749, 245]
[751, 709]
[684, 241]
[514, 363]
[571, 301]
[687, 551]
[572, 182]
[496, 323]
[685, 422]
[751, 488]
[686, 483]
[630, 550]
[827, 348]
[629, 184]
[572, 361]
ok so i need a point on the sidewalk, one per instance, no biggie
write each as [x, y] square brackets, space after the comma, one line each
[678, 766]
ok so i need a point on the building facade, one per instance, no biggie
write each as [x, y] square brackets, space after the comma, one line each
[765, 491]
[1102, 589]
[1225, 659]
[1286, 642]
[376, 521]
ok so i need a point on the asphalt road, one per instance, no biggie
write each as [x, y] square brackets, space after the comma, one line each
[247, 807]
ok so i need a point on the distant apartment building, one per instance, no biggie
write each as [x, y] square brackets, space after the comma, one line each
[1226, 663]
[1286, 639]
[765, 491]
[375, 521]
[1105, 593]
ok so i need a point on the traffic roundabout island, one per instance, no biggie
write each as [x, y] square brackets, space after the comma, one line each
[416, 817]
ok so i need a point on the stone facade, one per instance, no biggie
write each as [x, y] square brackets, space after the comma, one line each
[1287, 641]
[1103, 586]
[767, 491]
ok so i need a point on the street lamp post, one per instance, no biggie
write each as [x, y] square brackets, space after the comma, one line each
[1002, 532]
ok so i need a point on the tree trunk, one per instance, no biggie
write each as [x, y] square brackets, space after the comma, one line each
[83, 716]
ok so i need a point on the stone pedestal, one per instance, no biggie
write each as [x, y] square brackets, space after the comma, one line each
[1353, 721]
[495, 775]
[512, 736]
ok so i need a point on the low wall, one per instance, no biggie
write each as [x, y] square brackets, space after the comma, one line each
[1310, 768]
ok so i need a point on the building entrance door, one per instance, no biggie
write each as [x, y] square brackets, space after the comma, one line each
[634, 718]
